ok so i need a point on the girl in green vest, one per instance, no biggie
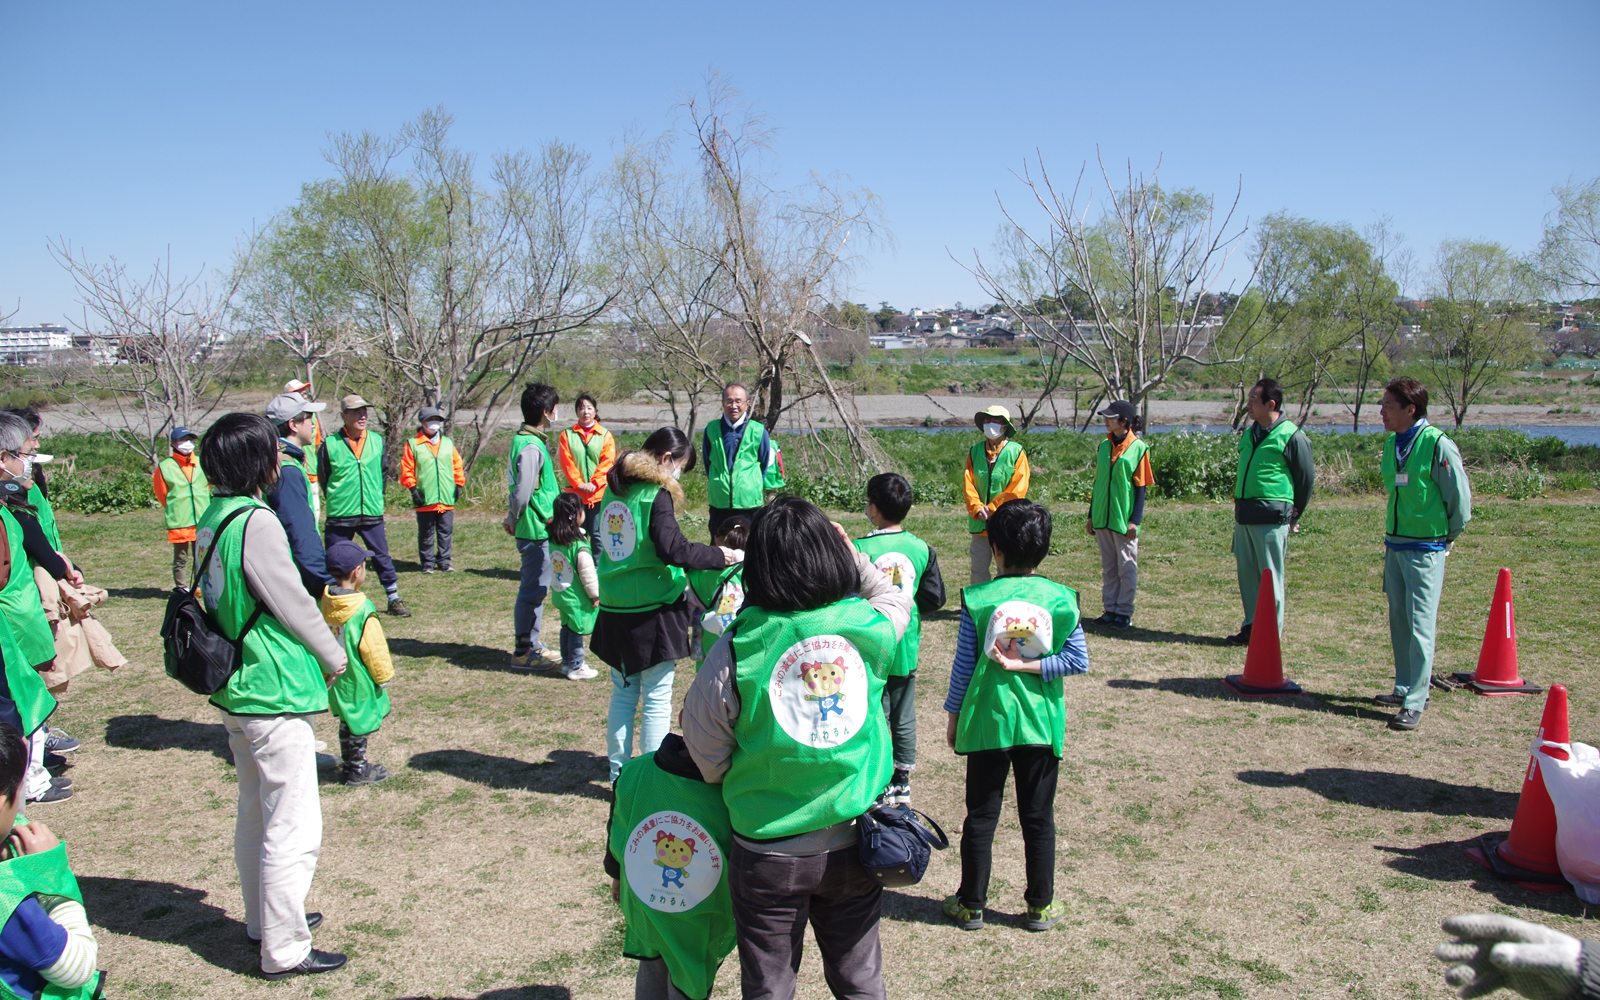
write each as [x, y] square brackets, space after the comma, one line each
[721, 591]
[574, 586]
[1121, 474]
[788, 716]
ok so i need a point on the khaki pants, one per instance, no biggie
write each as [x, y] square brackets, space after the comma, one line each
[1257, 547]
[1119, 571]
[183, 556]
[982, 555]
[1413, 582]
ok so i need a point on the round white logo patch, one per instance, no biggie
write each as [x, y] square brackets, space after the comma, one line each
[898, 568]
[618, 532]
[560, 571]
[819, 691]
[672, 862]
[729, 600]
[1020, 629]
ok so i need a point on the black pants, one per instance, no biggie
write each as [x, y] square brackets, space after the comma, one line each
[591, 516]
[431, 524]
[900, 705]
[374, 538]
[720, 514]
[1035, 769]
[773, 897]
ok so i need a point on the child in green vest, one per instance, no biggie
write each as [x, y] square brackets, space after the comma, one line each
[359, 697]
[1116, 506]
[720, 591]
[574, 584]
[667, 845]
[181, 489]
[913, 567]
[1007, 711]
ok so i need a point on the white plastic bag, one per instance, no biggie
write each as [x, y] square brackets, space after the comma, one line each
[1574, 787]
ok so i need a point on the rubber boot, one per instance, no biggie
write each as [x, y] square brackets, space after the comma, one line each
[357, 769]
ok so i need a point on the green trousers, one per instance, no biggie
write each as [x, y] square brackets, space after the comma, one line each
[1413, 582]
[1257, 547]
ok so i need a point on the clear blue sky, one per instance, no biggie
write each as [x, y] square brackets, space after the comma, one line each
[131, 128]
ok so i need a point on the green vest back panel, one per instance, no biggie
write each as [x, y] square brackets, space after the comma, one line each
[585, 454]
[744, 484]
[990, 482]
[186, 500]
[1112, 502]
[903, 557]
[813, 743]
[355, 486]
[354, 698]
[1416, 507]
[632, 576]
[566, 590]
[19, 600]
[33, 700]
[436, 474]
[47, 516]
[41, 874]
[722, 593]
[534, 522]
[277, 674]
[671, 837]
[1263, 472]
[1031, 618]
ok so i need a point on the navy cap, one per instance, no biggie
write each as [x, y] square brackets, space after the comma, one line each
[344, 556]
[179, 433]
[1122, 409]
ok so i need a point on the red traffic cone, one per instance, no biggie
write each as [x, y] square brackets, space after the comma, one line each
[1497, 661]
[1263, 661]
[1527, 855]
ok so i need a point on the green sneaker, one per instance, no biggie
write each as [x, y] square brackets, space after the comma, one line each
[965, 918]
[1043, 920]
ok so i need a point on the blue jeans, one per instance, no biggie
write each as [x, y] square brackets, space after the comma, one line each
[571, 649]
[654, 686]
[528, 613]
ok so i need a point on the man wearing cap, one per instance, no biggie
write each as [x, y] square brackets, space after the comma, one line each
[181, 488]
[1270, 492]
[297, 387]
[350, 467]
[997, 471]
[290, 497]
[740, 466]
[430, 467]
[1122, 473]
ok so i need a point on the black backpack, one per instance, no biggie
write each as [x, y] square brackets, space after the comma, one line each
[198, 655]
[895, 844]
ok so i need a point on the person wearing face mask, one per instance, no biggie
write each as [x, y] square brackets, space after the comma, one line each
[430, 467]
[531, 478]
[585, 453]
[1122, 473]
[350, 473]
[181, 489]
[740, 466]
[997, 471]
[642, 629]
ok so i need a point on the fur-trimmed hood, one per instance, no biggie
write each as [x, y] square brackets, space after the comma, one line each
[641, 466]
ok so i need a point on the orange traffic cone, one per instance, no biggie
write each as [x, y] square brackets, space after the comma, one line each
[1527, 855]
[1497, 661]
[1263, 661]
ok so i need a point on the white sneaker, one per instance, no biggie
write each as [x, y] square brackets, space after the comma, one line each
[583, 673]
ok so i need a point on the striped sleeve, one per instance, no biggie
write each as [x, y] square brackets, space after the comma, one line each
[1073, 658]
[76, 966]
[965, 663]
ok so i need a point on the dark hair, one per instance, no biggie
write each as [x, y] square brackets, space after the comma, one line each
[734, 532]
[891, 494]
[586, 397]
[1271, 392]
[240, 455]
[29, 414]
[13, 762]
[1020, 531]
[795, 560]
[662, 443]
[537, 400]
[1409, 392]
[566, 519]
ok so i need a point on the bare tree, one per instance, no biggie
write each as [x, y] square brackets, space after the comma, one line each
[1477, 320]
[1569, 254]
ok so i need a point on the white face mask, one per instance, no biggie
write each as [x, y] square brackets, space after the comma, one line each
[676, 473]
[994, 432]
[184, 447]
[27, 469]
[433, 427]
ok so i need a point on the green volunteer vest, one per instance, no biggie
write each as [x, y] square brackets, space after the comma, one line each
[535, 516]
[1416, 510]
[813, 743]
[1263, 473]
[186, 500]
[47, 516]
[742, 482]
[1004, 709]
[675, 899]
[991, 481]
[34, 701]
[44, 874]
[436, 474]
[277, 675]
[355, 485]
[902, 557]
[566, 590]
[19, 600]
[354, 698]
[585, 454]
[1112, 501]
[721, 592]
[632, 575]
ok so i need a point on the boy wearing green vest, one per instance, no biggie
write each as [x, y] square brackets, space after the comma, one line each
[1270, 493]
[997, 471]
[359, 698]
[1121, 476]
[1007, 710]
[667, 846]
[181, 489]
[574, 584]
[532, 484]
[720, 591]
[1430, 503]
[350, 475]
[911, 565]
[742, 461]
[430, 467]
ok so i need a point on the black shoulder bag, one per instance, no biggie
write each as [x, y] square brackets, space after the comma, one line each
[896, 842]
[198, 655]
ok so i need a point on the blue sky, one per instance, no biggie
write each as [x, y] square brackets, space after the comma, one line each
[129, 129]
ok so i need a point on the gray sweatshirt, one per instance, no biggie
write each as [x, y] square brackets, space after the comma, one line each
[523, 475]
[274, 580]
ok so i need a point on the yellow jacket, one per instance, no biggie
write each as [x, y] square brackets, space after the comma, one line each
[373, 647]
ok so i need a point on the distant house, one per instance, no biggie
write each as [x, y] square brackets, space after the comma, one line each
[952, 339]
[896, 342]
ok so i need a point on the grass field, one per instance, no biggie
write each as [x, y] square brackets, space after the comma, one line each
[1209, 847]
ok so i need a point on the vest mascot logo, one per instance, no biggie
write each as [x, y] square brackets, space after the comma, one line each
[729, 600]
[819, 691]
[618, 533]
[659, 856]
[560, 571]
[1020, 629]
[898, 568]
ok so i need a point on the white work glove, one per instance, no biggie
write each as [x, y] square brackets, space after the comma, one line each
[1493, 952]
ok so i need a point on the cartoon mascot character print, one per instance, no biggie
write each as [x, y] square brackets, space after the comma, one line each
[818, 691]
[673, 854]
[1021, 629]
[619, 534]
[658, 856]
[899, 570]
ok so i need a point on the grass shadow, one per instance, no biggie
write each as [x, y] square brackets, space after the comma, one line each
[566, 772]
[496, 573]
[164, 912]
[140, 593]
[912, 909]
[151, 732]
[1447, 861]
[457, 654]
[510, 993]
[1212, 688]
[1134, 633]
[1392, 791]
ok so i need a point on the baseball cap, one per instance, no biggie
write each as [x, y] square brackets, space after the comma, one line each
[344, 556]
[1121, 409]
[353, 402]
[429, 413]
[179, 433]
[296, 385]
[287, 406]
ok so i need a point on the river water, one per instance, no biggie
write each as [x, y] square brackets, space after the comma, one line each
[1572, 435]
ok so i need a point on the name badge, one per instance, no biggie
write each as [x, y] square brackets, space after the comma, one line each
[1402, 479]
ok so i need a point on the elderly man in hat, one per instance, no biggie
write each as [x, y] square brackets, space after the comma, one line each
[183, 493]
[997, 471]
[430, 467]
[290, 497]
[350, 468]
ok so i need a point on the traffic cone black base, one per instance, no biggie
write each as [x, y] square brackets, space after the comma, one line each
[1236, 683]
[1487, 853]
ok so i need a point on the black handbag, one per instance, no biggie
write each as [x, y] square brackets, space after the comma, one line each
[198, 655]
[896, 842]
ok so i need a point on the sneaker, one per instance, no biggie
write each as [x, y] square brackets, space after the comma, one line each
[583, 673]
[1105, 619]
[59, 742]
[317, 961]
[1120, 622]
[53, 794]
[1388, 700]
[60, 782]
[543, 658]
[427, 571]
[899, 791]
[398, 608]
[54, 762]
[1408, 719]
[1239, 638]
[368, 773]
[313, 921]
[1046, 918]
[446, 568]
[965, 918]
[520, 659]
